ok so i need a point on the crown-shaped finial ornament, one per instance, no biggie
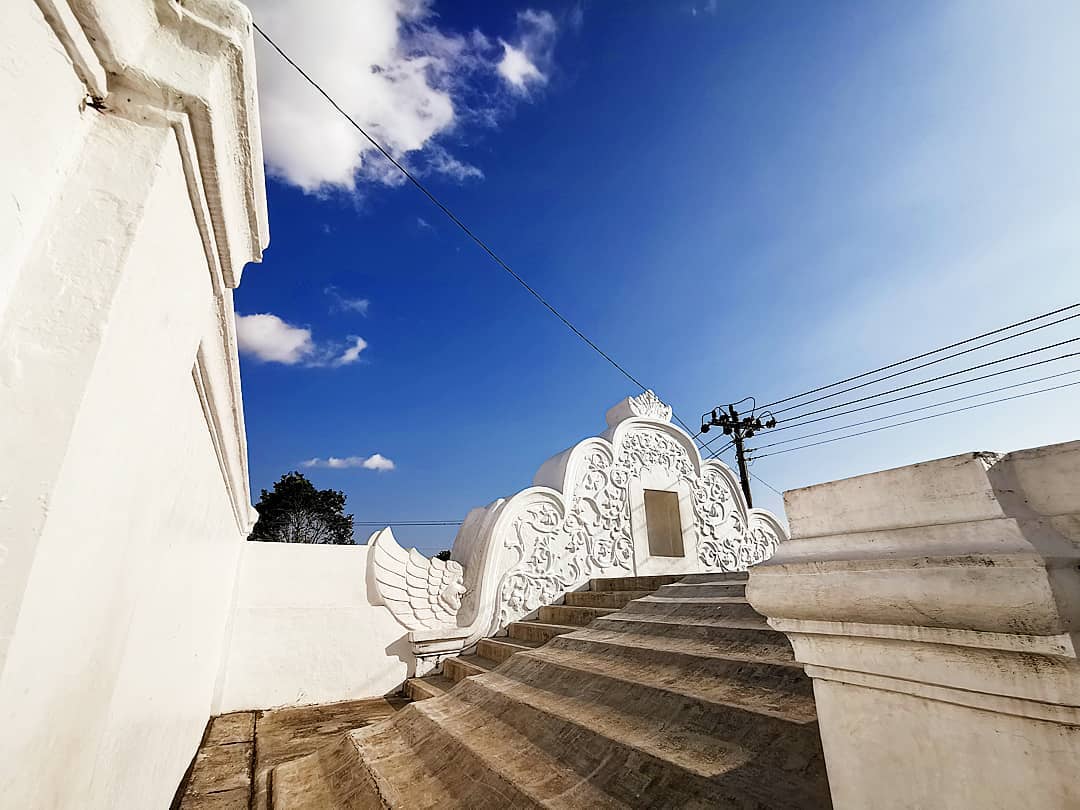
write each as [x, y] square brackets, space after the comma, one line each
[646, 405]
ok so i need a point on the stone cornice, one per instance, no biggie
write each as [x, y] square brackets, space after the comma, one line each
[195, 60]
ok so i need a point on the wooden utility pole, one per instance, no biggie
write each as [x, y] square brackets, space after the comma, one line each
[738, 429]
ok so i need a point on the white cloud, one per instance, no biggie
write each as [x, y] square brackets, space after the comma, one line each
[352, 353]
[526, 62]
[517, 68]
[342, 303]
[376, 461]
[423, 224]
[271, 340]
[403, 79]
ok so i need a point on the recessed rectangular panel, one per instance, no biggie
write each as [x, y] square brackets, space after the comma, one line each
[663, 523]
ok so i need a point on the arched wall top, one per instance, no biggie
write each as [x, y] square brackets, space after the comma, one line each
[585, 516]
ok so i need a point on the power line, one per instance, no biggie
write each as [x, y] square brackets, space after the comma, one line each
[927, 391]
[930, 363]
[926, 354]
[920, 419]
[723, 449]
[454, 218]
[950, 374]
[761, 480]
[406, 523]
[916, 410]
[450, 214]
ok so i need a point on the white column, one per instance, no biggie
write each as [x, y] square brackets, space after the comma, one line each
[936, 607]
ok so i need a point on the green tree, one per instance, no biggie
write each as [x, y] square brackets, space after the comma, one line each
[295, 512]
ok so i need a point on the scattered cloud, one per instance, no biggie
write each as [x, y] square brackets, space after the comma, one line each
[423, 224]
[271, 340]
[352, 353]
[402, 77]
[268, 338]
[527, 61]
[576, 17]
[376, 461]
[441, 161]
[341, 303]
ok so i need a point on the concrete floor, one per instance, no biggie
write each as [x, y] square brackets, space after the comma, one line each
[230, 770]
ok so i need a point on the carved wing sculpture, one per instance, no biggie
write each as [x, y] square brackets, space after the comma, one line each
[421, 592]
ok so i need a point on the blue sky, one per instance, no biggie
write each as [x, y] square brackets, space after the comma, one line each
[732, 199]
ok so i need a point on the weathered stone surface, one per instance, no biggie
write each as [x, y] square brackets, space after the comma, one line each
[228, 773]
[222, 767]
[639, 709]
[231, 728]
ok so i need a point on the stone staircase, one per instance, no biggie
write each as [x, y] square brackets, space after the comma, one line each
[684, 697]
[604, 596]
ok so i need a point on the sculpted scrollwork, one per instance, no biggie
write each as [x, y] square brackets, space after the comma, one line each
[557, 552]
[580, 521]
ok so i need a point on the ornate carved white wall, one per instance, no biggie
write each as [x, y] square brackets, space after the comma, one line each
[583, 518]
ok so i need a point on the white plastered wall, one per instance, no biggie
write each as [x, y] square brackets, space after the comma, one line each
[305, 631]
[123, 493]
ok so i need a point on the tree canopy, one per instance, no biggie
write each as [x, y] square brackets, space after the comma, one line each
[295, 512]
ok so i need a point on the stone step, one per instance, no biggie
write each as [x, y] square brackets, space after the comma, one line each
[633, 583]
[446, 760]
[726, 686]
[603, 599]
[462, 666]
[427, 687]
[669, 645]
[715, 577]
[571, 615]
[751, 638]
[727, 607]
[660, 758]
[685, 589]
[537, 631]
[499, 649]
[332, 777]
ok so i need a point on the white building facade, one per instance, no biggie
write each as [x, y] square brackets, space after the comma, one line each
[133, 196]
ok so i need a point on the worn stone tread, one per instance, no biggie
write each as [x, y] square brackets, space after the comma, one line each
[499, 649]
[427, 687]
[538, 631]
[707, 622]
[705, 599]
[665, 759]
[674, 645]
[444, 761]
[464, 666]
[602, 599]
[571, 615]
[655, 740]
[702, 684]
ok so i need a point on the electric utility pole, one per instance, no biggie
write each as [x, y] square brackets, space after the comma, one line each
[738, 429]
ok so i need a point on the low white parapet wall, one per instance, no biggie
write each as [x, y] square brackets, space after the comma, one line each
[937, 608]
[304, 630]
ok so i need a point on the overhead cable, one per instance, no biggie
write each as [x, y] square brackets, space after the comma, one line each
[920, 419]
[458, 222]
[927, 354]
[950, 374]
[916, 410]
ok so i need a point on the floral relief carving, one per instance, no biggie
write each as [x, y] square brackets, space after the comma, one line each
[557, 552]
